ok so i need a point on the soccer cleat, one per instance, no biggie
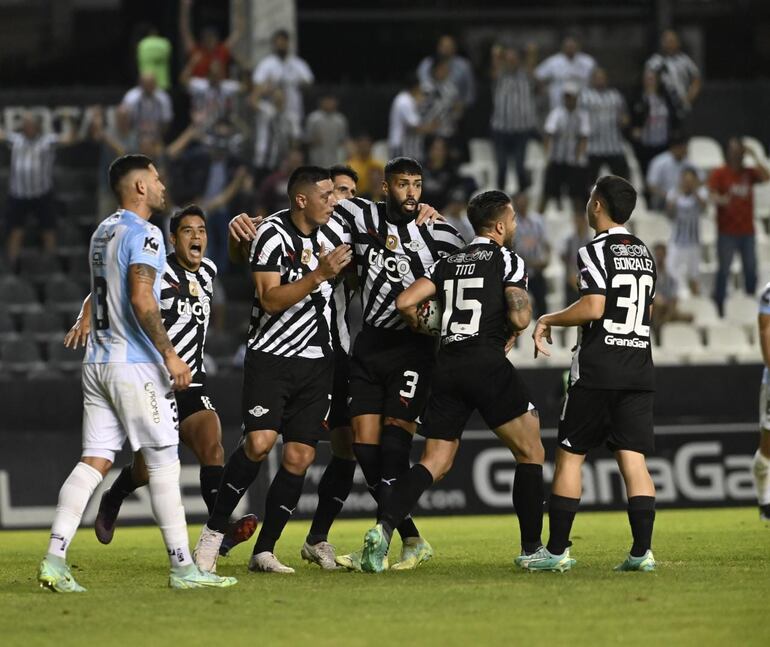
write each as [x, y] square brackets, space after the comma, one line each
[544, 560]
[238, 532]
[267, 562]
[644, 563]
[104, 525]
[375, 553]
[351, 561]
[414, 551]
[523, 559]
[764, 512]
[321, 553]
[192, 577]
[57, 577]
[207, 549]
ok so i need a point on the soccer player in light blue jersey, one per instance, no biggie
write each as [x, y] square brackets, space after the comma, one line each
[130, 371]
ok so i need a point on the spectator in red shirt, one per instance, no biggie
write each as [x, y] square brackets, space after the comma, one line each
[210, 47]
[731, 190]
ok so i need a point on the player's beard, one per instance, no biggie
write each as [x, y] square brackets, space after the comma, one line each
[398, 213]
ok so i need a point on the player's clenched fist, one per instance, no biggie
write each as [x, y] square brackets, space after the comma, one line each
[179, 371]
[332, 263]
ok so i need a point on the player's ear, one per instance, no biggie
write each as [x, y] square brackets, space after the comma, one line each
[385, 187]
[300, 199]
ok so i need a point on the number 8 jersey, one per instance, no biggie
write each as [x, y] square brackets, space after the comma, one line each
[615, 352]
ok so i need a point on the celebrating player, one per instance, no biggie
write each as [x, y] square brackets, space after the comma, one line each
[126, 386]
[288, 367]
[186, 291]
[482, 290]
[611, 385]
[761, 464]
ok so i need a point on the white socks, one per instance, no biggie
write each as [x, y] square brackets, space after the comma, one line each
[760, 468]
[74, 496]
[166, 499]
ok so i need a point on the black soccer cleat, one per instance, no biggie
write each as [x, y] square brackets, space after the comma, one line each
[104, 526]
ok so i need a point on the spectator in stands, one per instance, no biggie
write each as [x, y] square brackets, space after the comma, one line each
[532, 245]
[214, 96]
[284, 70]
[666, 302]
[371, 171]
[665, 172]
[686, 205]
[115, 139]
[652, 122]
[455, 213]
[514, 113]
[608, 115]
[153, 54]
[442, 104]
[149, 107]
[679, 76]
[570, 65]
[460, 70]
[276, 132]
[200, 54]
[566, 139]
[580, 237]
[30, 186]
[406, 127]
[271, 194]
[326, 133]
[439, 174]
[731, 188]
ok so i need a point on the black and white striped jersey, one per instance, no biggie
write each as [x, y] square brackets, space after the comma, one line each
[470, 286]
[185, 306]
[306, 328]
[606, 109]
[513, 103]
[31, 164]
[390, 256]
[615, 352]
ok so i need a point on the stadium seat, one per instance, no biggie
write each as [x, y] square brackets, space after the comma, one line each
[42, 326]
[762, 200]
[682, 341]
[38, 267]
[523, 353]
[64, 296]
[705, 153]
[22, 355]
[754, 144]
[534, 158]
[483, 173]
[63, 358]
[702, 308]
[481, 150]
[742, 309]
[652, 228]
[724, 338]
[18, 295]
[7, 329]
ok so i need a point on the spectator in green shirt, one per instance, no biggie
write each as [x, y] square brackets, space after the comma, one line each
[153, 54]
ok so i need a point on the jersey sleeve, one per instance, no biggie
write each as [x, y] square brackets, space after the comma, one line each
[431, 272]
[146, 247]
[448, 239]
[514, 270]
[592, 274]
[266, 251]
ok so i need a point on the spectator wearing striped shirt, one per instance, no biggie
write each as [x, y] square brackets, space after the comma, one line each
[565, 142]
[665, 171]
[442, 105]
[514, 114]
[686, 205]
[30, 190]
[149, 107]
[214, 96]
[570, 65]
[678, 74]
[608, 114]
[652, 122]
[326, 133]
[276, 132]
[407, 127]
[532, 245]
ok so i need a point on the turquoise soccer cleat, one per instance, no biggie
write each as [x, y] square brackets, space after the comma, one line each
[544, 560]
[644, 563]
[524, 559]
[414, 551]
[191, 577]
[375, 553]
[57, 577]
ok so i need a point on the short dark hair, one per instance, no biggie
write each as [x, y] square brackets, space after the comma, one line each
[124, 165]
[189, 210]
[486, 208]
[306, 175]
[405, 165]
[280, 33]
[618, 197]
[342, 169]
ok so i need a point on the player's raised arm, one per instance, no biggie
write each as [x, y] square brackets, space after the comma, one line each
[141, 278]
[407, 302]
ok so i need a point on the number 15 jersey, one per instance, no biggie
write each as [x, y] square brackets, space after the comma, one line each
[615, 351]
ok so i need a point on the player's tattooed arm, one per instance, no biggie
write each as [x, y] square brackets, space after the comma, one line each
[519, 308]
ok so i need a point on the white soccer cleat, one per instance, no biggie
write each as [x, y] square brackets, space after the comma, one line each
[266, 562]
[322, 553]
[207, 549]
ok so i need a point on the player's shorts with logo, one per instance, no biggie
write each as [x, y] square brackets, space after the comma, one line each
[764, 402]
[290, 395]
[133, 401]
[390, 373]
[339, 414]
[468, 378]
[623, 419]
[192, 400]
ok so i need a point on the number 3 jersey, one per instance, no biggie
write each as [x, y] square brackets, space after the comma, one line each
[185, 306]
[615, 352]
[470, 286]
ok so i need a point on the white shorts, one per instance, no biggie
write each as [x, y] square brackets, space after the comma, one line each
[684, 265]
[133, 401]
[764, 403]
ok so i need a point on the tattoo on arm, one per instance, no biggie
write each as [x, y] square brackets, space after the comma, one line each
[149, 317]
[144, 273]
[517, 299]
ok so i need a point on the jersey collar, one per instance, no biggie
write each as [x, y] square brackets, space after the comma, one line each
[613, 230]
[482, 240]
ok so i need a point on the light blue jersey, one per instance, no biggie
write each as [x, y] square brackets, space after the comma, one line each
[116, 336]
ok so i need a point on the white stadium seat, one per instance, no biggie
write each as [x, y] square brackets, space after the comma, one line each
[725, 338]
[742, 309]
[702, 308]
[705, 153]
[481, 150]
[681, 340]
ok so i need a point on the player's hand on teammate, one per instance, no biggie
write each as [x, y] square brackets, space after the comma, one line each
[542, 334]
[332, 263]
[427, 214]
[78, 334]
[243, 227]
[180, 373]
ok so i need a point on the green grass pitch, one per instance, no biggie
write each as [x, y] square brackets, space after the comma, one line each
[712, 587]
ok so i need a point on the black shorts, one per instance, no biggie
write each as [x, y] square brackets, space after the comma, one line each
[19, 209]
[622, 419]
[193, 400]
[290, 395]
[559, 176]
[473, 378]
[339, 414]
[390, 372]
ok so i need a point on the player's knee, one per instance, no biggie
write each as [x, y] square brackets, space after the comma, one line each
[257, 446]
[297, 457]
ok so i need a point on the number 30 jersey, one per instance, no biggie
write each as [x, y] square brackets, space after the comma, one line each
[470, 286]
[615, 352]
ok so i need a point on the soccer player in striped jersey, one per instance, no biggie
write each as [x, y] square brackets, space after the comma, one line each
[390, 364]
[611, 385]
[482, 291]
[294, 258]
[186, 291]
[129, 373]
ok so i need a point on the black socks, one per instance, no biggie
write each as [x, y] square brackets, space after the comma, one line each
[333, 489]
[641, 516]
[121, 487]
[561, 514]
[404, 496]
[528, 495]
[237, 475]
[282, 499]
[210, 476]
